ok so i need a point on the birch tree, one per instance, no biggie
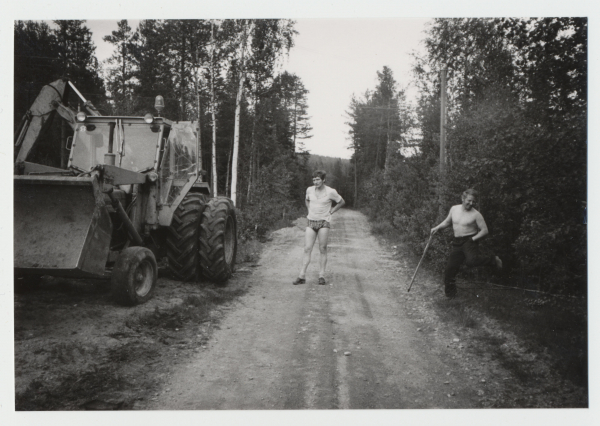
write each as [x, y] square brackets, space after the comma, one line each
[246, 29]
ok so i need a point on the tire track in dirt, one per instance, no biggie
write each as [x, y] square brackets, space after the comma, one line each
[363, 372]
[283, 346]
[311, 374]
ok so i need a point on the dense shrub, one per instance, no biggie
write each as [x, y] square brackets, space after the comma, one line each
[517, 132]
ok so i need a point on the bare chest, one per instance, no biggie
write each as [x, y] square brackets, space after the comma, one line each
[464, 219]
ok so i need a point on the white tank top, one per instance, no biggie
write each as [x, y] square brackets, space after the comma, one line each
[319, 206]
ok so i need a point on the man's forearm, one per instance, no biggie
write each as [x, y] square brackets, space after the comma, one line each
[337, 207]
[443, 225]
[481, 234]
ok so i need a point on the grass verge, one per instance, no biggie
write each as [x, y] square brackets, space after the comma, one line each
[541, 339]
[124, 354]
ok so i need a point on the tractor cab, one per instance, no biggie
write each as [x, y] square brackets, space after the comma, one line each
[144, 145]
[127, 142]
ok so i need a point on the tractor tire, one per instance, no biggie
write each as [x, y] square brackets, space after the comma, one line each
[183, 238]
[134, 276]
[218, 239]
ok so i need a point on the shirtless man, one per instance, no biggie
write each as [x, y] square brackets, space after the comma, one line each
[319, 199]
[469, 227]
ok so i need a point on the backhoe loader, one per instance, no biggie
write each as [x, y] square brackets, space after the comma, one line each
[132, 193]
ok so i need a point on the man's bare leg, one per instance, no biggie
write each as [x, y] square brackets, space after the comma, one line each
[323, 237]
[309, 241]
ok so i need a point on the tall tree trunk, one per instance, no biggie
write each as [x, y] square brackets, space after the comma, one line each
[199, 129]
[257, 166]
[295, 119]
[355, 181]
[123, 72]
[228, 169]
[213, 107]
[388, 147]
[238, 108]
[182, 75]
[378, 141]
[236, 136]
[251, 177]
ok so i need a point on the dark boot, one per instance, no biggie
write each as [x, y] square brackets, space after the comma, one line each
[450, 289]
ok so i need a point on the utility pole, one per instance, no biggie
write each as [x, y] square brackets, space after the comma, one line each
[355, 181]
[197, 81]
[199, 136]
[443, 122]
[441, 209]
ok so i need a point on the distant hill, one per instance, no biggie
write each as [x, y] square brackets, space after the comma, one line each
[321, 162]
[337, 169]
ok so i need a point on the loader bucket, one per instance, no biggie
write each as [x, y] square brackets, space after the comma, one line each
[61, 226]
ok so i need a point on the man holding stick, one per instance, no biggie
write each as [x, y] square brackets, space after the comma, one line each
[469, 227]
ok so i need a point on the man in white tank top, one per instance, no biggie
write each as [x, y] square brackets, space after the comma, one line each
[319, 199]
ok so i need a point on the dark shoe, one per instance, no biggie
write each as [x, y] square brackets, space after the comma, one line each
[322, 281]
[498, 263]
[299, 281]
[450, 290]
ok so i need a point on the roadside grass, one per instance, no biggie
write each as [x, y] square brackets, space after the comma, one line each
[551, 329]
[72, 392]
[551, 324]
[89, 376]
[250, 245]
[194, 309]
[383, 228]
[249, 251]
[534, 337]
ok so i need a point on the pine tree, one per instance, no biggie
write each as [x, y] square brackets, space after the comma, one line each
[123, 68]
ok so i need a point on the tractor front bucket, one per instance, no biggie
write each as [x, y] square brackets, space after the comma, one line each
[61, 226]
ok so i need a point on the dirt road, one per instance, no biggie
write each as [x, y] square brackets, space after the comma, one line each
[353, 343]
[359, 342]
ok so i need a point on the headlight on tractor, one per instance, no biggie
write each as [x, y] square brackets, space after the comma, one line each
[81, 116]
[148, 118]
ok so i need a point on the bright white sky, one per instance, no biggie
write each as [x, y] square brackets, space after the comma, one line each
[335, 58]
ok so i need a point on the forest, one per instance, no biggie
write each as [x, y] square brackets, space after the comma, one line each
[516, 126]
[516, 132]
[253, 118]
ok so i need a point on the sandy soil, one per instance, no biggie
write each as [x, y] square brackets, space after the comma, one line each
[359, 342]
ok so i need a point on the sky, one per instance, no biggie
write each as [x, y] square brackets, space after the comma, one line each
[335, 59]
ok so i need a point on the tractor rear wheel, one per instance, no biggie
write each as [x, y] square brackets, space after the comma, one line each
[183, 238]
[218, 239]
[134, 276]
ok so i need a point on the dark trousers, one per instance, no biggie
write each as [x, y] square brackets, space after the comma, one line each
[464, 250]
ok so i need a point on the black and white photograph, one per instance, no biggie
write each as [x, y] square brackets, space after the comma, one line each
[343, 214]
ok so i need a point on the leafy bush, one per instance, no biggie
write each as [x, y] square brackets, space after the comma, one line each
[517, 132]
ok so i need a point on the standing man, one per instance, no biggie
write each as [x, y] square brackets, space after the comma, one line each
[469, 227]
[319, 199]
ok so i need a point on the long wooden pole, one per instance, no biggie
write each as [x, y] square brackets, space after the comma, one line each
[443, 122]
[212, 110]
[422, 257]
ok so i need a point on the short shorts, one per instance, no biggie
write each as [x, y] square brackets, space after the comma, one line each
[315, 225]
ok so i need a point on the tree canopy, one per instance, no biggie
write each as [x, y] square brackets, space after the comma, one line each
[516, 131]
